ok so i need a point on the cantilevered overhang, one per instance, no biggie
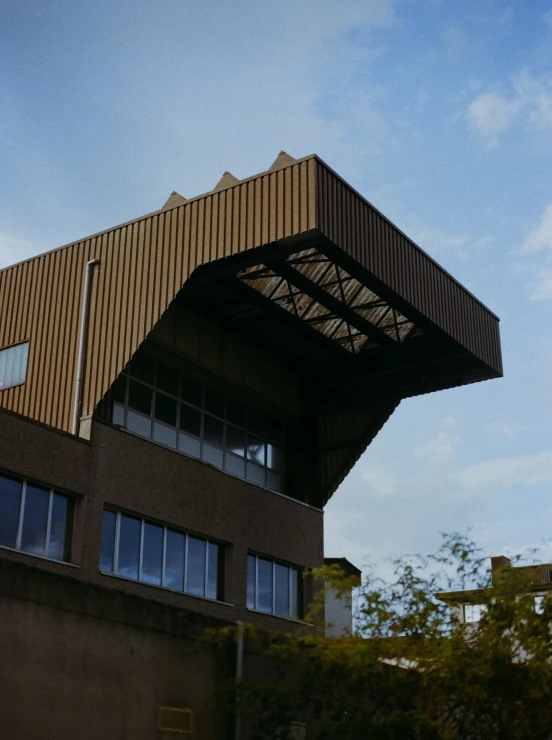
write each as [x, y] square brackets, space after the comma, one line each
[292, 257]
[352, 300]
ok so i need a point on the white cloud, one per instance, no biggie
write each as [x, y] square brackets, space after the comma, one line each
[492, 114]
[529, 100]
[380, 482]
[440, 241]
[15, 249]
[542, 290]
[547, 18]
[505, 429]
[443, 446]
[539, 240]
[502, 472]
[540, 237]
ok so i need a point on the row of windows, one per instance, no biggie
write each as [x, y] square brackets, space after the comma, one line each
[39, 521]
[143, 551]
[156, 402]
[35, 519]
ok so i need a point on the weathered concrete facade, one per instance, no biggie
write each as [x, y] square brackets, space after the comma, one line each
[135, 475]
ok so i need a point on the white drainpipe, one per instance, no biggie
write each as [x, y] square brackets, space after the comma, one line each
[85, 310]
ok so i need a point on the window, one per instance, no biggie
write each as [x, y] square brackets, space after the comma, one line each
[273, 588]
[157, 402]
[474, 612]
[34, 519]
[13, 365]
[145, 551]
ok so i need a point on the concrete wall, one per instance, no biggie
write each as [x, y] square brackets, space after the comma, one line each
[82, 663]
[139, 476]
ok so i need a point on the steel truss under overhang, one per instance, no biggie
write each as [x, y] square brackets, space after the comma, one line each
[314, 289]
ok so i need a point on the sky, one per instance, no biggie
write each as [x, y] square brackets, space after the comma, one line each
[438, 112]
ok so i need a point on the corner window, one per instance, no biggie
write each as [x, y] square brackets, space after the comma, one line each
[13, 365]
[273, 588]
[148, 552]
[35, 519]
[158, 403]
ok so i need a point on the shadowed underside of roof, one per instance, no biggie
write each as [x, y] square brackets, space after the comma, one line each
[296, 235]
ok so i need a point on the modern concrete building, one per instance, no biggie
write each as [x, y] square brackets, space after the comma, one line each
[180, 396]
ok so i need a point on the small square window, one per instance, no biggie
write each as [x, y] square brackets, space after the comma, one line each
[13, 365]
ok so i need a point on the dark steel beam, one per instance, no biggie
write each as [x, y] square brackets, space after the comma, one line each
[332, 304]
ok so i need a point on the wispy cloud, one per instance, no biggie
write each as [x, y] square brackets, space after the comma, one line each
[502, 472]
[528, 100]
[443, 446]
[539, 242]
[506, 429]
[436, 240]
[14, 249]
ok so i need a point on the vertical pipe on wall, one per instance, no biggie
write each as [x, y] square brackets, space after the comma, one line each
[239, 676]
[83, 331]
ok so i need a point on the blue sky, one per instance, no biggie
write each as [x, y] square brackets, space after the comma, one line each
[440, 113]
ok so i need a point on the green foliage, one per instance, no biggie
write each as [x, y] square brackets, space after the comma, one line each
[410, 671]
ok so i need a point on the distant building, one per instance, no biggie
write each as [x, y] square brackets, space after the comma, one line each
[467, 607]
[339, 606]
[180, 396]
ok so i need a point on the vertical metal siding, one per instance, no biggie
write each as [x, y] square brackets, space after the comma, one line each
[143, 265]
[387, 253]
[343, 435]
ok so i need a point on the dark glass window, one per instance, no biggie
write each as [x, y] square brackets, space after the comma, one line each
[165, 409]
[118, 389]
[191, 391]
[211, 587]
[281, 590]
[34, 519]
[139, 397]
[256, 423]
[174, 560]
[190, 420]
[58, 547]
[142, 367]
[265, 587]
[129, 547]
[214, 402]
[154, 554]
[213, 431]
[10, 509]
[235, 413]
[207, 424]
[108, 541]
[235, 441]
[273, 588]
[195, 567]
[167, 379]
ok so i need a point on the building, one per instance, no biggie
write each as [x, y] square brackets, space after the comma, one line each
[467, 607]
[181, 395]
[338, 603]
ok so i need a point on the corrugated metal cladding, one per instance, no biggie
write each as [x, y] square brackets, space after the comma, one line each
[143, 264]
[343, 435]
[361, 231]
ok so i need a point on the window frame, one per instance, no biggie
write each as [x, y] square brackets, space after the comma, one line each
[221, 586]
[299, 592]
[227, 457]
[9, 347]
[69, 520]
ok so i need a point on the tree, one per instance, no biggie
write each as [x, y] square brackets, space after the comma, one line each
[410, 671]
